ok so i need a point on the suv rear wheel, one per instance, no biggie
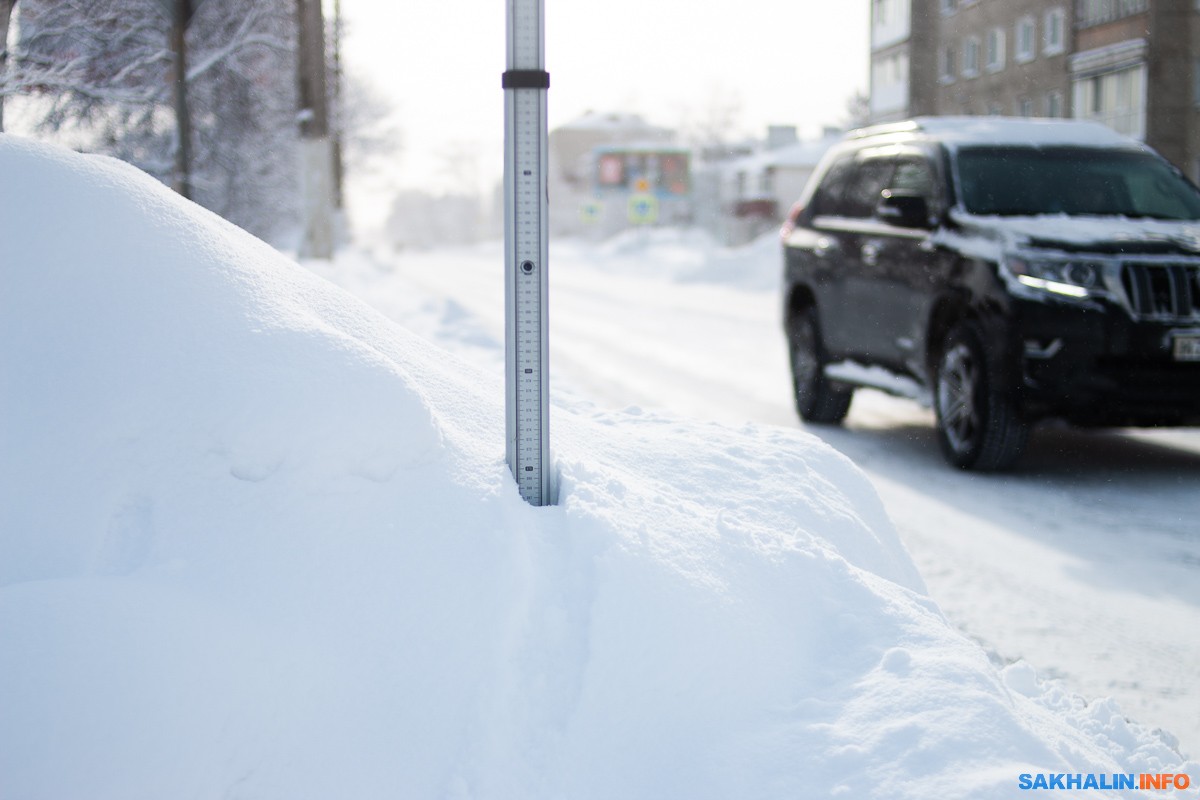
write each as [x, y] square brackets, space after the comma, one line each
[978, 425]
[816, 399]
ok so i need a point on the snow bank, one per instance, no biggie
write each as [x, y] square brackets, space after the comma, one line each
[256, 541]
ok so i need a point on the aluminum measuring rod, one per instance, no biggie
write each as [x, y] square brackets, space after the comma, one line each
[525, 83]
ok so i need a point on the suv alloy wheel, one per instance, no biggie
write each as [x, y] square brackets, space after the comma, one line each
[816, 399]
[978, 425]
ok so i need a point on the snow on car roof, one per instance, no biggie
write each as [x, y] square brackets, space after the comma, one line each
[959, 131]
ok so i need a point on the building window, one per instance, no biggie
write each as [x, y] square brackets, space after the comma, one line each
[890, 22]
[1098, 12]
[970, 66]
[948, 6]
[1024, 49]
[1054, 32]
[1024, 107]
[946, 65]
[766, 182]
[1117, 99]
[995, 49]
[1054, 104]
[889, 84]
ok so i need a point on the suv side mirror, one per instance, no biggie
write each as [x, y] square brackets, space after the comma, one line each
[904, 209]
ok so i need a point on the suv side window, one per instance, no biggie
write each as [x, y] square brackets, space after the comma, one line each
[865, 187]
[852, 188]
[914, 176]
[828, 199]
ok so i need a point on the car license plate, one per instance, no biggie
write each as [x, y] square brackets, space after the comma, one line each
[1187, 348]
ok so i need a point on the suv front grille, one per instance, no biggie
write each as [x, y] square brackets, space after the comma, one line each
[1162, 291]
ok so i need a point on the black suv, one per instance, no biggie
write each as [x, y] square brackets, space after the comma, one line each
[1002, 270]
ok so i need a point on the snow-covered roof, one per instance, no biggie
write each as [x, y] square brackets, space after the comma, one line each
[959, 131]
[610, 121]
[801, 154]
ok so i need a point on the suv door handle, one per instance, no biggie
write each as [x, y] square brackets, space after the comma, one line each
[870, 254]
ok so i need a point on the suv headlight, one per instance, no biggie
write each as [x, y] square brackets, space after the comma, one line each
[1077, 278]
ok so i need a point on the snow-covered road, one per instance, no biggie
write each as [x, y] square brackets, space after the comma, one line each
[1085, 562]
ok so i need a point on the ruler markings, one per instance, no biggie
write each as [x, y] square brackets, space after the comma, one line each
[526, 253]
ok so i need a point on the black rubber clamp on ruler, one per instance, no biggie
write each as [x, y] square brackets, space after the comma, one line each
[525, 79]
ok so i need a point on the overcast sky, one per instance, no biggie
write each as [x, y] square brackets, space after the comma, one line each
[794, 62]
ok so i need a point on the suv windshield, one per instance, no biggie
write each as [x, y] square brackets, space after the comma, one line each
[1073, 180]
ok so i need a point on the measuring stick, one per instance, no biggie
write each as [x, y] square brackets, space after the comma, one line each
[525, 85]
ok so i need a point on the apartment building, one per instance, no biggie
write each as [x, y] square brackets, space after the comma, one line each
[1002, 58]
[1134, 69]
[1132, 64]
[902, 35]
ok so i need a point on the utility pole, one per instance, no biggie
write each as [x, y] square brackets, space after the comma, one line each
[6, 9]
[181, 15]
[339, 167]
[316, 150]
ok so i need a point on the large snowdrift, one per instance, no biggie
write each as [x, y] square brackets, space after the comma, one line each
[257, 541]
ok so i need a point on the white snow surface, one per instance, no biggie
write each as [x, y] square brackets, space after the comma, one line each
[1082, 561]
[258, 541]
[990, 237]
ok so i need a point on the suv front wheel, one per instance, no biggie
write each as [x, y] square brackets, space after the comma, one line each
[978, 424]
[816, 399]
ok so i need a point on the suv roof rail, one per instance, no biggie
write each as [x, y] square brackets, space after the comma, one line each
[908, 126]
[960, 130]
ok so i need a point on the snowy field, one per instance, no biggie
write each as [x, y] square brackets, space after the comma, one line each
[258, 540]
